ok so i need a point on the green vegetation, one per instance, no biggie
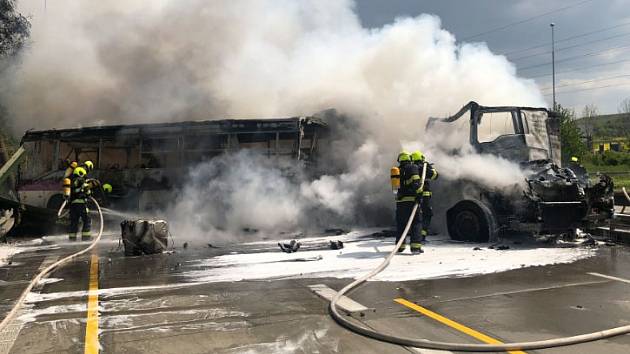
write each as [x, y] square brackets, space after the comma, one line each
[572, 130]
[570, 134]
[606, 126]
[611, 160]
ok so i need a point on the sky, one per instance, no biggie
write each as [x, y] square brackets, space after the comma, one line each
[601, 57]
[592, 68]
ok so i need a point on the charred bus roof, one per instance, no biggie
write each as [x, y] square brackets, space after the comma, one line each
[227, 126]
[170, 145]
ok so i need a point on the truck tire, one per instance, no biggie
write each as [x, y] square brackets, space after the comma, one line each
[471, 220]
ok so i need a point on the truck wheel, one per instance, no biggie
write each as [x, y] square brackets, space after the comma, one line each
[471, 221]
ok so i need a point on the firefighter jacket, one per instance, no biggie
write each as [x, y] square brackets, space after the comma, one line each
[431, 175]
[409, 189]
[80, 191]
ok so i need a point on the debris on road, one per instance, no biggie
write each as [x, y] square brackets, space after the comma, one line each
[292, 246]
[305, 259]
[589, 241]
[144, 236]
[336, 245]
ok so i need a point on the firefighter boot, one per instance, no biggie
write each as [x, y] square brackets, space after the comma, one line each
[416, 248]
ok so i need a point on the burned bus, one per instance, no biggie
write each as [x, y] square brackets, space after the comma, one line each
[142, 161]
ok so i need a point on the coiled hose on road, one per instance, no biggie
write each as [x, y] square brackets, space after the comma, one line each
[18, 304]
[425, 343]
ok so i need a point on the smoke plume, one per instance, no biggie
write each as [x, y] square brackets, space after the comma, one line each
[133, 61]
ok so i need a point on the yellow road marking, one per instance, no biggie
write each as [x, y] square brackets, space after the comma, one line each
[458, 326]
[91, 329]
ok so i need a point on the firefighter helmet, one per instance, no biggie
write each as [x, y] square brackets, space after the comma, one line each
[89, 165]
[80, 172]
[574, 159]
[404, 156]
[417, 156]
[107, 188]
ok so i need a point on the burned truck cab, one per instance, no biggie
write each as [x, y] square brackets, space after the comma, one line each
[515, 133]
[551, 200]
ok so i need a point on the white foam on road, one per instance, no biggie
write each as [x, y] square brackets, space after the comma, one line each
[441, 259]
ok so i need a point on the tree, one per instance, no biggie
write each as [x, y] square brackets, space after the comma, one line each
[570, 137]
[589, 113]
[624, 106]
[14, 29]
[14, 32]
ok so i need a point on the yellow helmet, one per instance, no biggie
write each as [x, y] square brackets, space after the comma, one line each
[574, 159]
[74, 164]
[80, 171]
[404, 156]
[89, 165]
[107, 188]
[417, 156]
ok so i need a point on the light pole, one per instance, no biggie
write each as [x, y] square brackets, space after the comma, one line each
[553, 64]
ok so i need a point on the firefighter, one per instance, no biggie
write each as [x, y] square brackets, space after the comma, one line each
[80, 190]
[425, 203]
[100, 190]
[407, 195]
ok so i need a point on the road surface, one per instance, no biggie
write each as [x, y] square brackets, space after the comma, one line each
[197, 300]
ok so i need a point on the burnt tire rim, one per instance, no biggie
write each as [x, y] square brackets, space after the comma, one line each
[468, 225]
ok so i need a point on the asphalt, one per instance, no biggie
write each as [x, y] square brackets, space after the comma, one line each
[148, 305]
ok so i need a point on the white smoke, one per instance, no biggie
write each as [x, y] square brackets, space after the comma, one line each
[246, 191]
[133, 61]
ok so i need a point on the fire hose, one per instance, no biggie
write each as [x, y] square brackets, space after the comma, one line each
[429, 344]
[63, 205]
[18, 304]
